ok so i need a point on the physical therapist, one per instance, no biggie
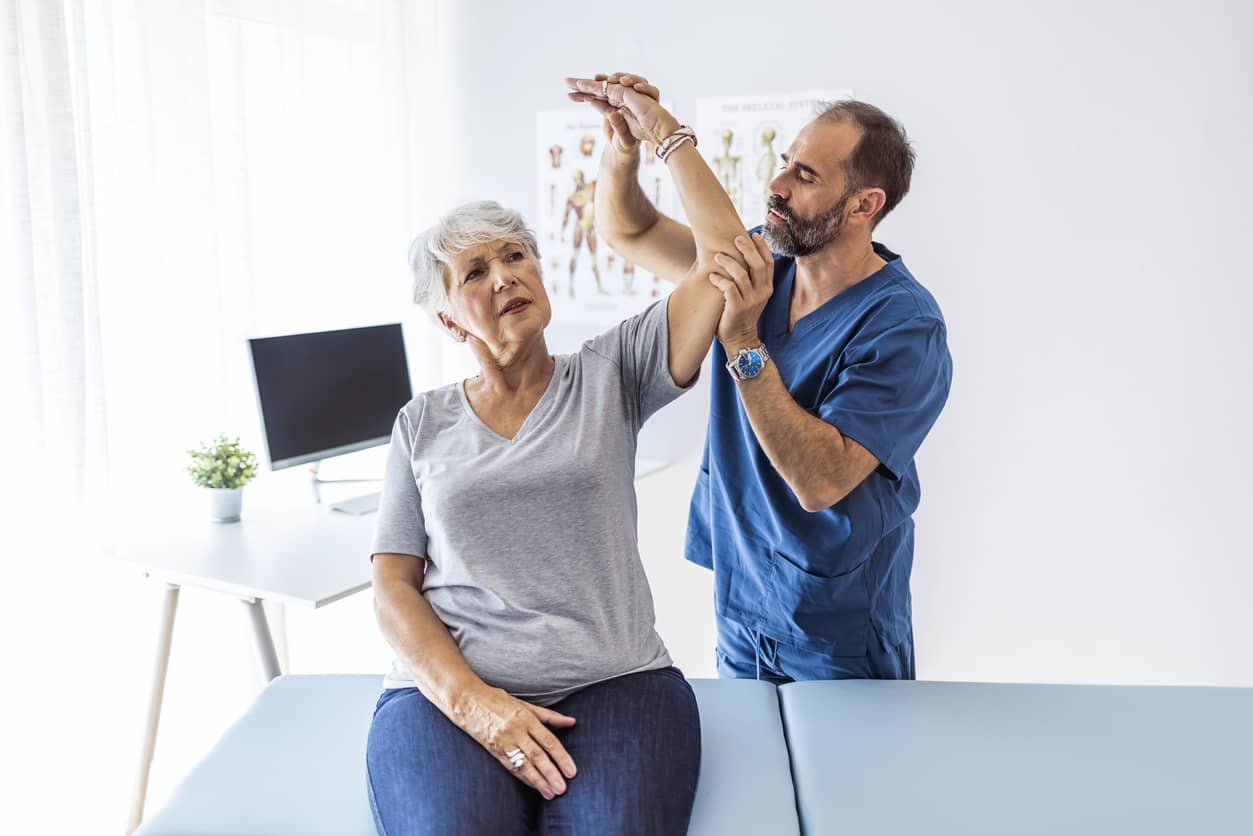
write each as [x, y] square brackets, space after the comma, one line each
[836, 367]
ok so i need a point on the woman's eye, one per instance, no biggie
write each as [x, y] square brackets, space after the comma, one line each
[515, 256]
[473, 274]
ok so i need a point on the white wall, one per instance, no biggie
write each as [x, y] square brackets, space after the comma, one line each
[1079, 211]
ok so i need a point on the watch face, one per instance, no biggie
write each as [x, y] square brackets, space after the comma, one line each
[749, 363]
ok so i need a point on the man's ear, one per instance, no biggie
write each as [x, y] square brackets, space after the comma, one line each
[868, 203]
[457, 332]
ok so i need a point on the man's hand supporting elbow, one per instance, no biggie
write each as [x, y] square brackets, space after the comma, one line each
[817, 461]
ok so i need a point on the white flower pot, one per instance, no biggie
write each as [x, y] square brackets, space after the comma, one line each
[225, 504]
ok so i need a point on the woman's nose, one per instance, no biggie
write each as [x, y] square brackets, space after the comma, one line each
[505, 278]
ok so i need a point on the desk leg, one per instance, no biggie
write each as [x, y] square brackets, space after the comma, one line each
[276, 617]
[265, 642]
[165, 636]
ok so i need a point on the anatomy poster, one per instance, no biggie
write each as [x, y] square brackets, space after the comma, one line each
[743, 136]
[587, 281]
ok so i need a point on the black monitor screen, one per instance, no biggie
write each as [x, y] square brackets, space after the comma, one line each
[329, 393]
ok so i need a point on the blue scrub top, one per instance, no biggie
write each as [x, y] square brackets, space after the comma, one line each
[873, 362]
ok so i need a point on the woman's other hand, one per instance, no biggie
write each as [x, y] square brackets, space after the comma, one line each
[501, 723]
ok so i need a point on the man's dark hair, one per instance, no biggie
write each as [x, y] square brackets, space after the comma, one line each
[882, 158]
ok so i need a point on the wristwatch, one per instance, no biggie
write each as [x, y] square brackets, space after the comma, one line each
[748, 362]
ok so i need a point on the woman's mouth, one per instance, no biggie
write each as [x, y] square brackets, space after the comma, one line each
[515, 306]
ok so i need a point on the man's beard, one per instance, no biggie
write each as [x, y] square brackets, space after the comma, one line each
[798, 236]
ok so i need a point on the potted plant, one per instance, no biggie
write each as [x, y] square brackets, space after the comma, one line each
[223, 467]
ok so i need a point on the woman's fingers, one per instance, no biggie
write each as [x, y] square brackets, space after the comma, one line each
[537, 768]
[602, 106]
[537, 757]
[595, 86]
[552, 746]
[531, 776]
[591, 86]
[552, 718]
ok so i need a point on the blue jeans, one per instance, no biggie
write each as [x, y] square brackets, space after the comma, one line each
[636, 746]
[743, 653]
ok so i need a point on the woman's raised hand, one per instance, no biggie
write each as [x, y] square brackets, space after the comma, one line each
[630, 105]
[502, 723]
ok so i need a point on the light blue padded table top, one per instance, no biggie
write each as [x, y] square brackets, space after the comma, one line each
[295, 764]
[745, 778]
[972, 759]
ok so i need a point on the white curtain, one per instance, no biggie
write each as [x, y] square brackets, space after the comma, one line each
[180, 175]
[53, 415]
[175, 176]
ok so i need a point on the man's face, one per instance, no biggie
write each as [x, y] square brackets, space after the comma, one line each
[809, 196]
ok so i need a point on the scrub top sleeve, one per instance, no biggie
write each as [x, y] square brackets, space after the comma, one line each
[891, 389]
[401, 527]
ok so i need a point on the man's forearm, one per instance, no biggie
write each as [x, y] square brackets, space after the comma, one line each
[622, 208]
[811, 455]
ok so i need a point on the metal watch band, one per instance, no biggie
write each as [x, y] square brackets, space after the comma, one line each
[733, 363]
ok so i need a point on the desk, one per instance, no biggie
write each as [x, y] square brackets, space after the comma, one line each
[305, 556]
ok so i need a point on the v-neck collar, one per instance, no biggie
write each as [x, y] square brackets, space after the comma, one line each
[779, 308]
[532, 416]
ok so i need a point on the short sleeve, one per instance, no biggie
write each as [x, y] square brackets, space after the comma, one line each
[640, 348]
[891, 389]
[401, 528]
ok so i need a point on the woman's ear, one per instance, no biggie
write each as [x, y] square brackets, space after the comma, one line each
[456, 330]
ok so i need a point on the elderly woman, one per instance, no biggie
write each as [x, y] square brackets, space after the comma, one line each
[531, 692]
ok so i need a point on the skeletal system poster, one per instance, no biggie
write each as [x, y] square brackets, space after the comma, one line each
[587, 281]
[743, 136]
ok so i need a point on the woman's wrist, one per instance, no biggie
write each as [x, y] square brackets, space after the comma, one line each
[458, 698]
[666, 126]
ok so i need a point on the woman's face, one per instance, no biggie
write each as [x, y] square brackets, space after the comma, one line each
[496, 295]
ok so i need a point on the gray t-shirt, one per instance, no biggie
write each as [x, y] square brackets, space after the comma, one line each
[532, 556]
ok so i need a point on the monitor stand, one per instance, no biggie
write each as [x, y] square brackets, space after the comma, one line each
[365, 504]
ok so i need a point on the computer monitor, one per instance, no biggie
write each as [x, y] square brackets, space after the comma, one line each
[329, 393]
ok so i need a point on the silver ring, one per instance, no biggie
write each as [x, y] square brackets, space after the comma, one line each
[604, 88]
[516, 757]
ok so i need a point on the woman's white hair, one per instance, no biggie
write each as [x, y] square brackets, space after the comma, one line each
[431, 254]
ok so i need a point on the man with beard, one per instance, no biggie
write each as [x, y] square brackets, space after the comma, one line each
[837, 366]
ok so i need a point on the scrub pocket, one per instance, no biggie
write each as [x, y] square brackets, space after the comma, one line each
[827, 613]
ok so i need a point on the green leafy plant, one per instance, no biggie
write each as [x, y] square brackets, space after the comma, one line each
[222, 463]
